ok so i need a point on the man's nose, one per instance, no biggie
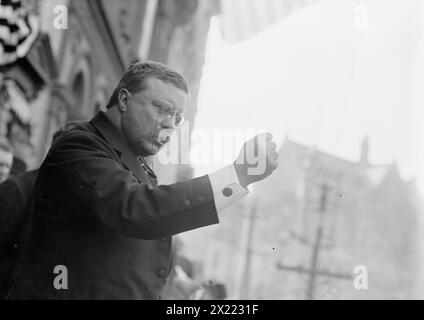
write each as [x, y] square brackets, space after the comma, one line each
[169, 123]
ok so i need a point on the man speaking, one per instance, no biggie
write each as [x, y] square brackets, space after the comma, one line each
[99, 216]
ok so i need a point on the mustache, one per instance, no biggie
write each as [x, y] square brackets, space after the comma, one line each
[162, 139]
[164, 135]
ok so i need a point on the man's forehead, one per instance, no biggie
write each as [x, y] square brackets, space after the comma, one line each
[165, 92]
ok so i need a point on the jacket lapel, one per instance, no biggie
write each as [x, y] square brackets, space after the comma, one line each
[112, 135]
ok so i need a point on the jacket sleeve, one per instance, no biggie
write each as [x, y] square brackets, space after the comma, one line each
[112, 194]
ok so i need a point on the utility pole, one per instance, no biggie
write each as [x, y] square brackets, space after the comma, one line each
[247, 230]
[317, 244]
[245, 284]
[313, 270]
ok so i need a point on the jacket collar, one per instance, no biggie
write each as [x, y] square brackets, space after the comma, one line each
[112, 135]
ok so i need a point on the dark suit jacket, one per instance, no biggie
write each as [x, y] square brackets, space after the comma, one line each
[99, 214]
[15, 194]
[18, 166]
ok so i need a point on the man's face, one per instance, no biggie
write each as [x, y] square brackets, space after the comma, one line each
[6, 159]
[144, 125]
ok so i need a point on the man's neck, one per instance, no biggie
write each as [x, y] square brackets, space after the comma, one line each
[114, 116]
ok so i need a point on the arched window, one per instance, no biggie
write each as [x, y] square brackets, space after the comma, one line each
[79, 96]
[78, 90]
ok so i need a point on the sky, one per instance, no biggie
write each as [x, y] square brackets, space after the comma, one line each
[326, 76]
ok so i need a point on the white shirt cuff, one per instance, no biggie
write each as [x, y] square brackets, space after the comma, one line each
[226, 187]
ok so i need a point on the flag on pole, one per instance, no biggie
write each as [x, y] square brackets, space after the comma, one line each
[18, 31]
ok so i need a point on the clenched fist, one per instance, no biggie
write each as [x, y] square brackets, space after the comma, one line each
[257, 159]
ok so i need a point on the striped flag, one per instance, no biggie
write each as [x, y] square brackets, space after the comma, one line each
[18, 31]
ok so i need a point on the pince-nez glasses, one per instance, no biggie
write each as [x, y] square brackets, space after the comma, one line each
[168, 113]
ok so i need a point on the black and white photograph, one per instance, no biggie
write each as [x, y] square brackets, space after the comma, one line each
[236, 151]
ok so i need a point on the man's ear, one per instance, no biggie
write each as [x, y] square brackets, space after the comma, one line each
[123, 98]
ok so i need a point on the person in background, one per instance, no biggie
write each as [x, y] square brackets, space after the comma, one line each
[181, 283]
[6, 160]
[211, 291]
[19, 136]
[15, 223]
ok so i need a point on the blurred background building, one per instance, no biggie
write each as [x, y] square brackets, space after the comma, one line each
[319, 216]
[299, 234]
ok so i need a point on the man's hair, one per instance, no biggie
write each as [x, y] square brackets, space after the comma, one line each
[136, 75]
[5, 146]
